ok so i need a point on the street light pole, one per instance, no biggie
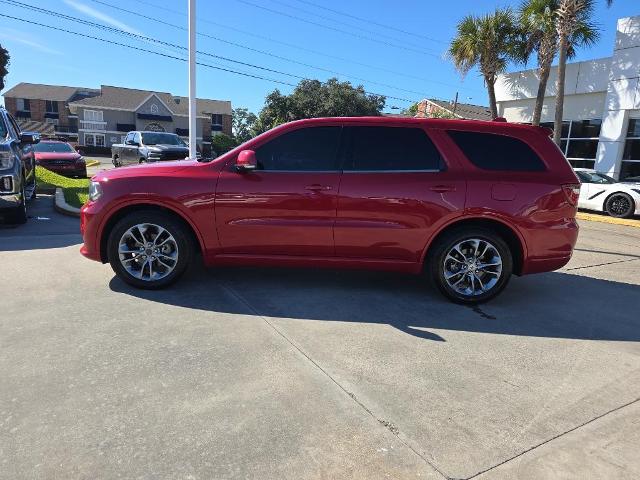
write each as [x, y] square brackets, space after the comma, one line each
[192, 79]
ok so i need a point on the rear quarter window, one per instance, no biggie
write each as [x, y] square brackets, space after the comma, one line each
[490, 151]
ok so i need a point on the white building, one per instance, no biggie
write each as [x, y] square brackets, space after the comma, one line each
[601, 107]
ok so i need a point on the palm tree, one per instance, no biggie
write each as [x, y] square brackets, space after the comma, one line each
[571, 14]
[538, 23]
[487, 42]
[4, 63]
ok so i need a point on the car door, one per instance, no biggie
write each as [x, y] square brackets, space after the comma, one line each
[26, 155]
[395, 189]
[583, 198]
[286, 206]
[129, 150]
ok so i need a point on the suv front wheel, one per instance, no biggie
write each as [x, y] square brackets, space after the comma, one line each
[470, 266]
[149, 249]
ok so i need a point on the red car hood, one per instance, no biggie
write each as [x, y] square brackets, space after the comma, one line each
[146, 169]
[57, 156]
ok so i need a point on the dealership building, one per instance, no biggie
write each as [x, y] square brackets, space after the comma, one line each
[601, 127]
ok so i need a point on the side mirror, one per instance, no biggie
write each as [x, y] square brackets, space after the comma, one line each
[246, 161]
[29, 138]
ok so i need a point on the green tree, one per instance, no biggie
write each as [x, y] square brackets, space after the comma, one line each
[312, 98]
[539, 35]
[243, 122]
[571, 14]
[487, 42]
[4, 64]
[222, 143]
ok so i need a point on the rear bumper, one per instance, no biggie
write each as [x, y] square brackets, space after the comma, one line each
[551, 248]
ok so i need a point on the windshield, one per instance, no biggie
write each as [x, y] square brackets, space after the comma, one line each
[162, 139]
[595, 177]
[53, 147]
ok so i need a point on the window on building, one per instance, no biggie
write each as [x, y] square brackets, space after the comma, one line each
[579, 141]
[631, 156]
[305, 149]
[51, 106]
[390, 149]
[93, 115]
[99, 140]
[55, 121]
[23, 105]
[216, 119]
[497, 152]
[89, 139]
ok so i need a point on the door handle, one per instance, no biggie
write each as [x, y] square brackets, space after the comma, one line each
[317, 187]
[442, 188]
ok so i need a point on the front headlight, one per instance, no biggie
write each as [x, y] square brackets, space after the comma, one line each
[6, 160]
[95, 191]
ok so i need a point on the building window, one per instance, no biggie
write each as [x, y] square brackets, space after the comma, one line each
[631, 156]
[93, 115]
[93, 140]
[216, 119]
[51, 120]
[51, 106]
[23, 105]
[579, 141]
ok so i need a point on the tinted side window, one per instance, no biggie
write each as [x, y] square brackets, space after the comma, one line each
[306, 149]
[497, 152]
[391, 148]
[15, 127]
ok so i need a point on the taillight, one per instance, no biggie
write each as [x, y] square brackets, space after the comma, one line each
[572, 192]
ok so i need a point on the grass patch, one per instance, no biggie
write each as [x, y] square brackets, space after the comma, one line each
[76, 190]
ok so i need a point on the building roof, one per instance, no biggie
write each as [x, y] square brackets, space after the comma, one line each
[119, 98]
[36, 91]
[464, 110]
[43, 128]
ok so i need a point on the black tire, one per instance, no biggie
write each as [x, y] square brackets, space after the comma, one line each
[142, 160]
[620, 205]
[176, 228]
[115, 161]
[437, 254]
[18, 215]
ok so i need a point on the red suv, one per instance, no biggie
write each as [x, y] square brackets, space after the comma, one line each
[467, 203]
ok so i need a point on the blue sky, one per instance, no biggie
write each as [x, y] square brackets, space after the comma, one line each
[404, 61]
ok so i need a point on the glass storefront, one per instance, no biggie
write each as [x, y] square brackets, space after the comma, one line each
[580, 141]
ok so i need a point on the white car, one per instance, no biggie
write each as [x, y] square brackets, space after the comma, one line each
[604, 194]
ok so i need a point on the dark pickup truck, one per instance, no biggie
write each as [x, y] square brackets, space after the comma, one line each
[17, 169]
[141, 147]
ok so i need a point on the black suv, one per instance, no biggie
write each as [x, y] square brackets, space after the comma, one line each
[17, 169]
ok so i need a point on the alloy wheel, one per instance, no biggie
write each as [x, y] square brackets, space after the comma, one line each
[619, 205]
[148, 252]
[472, 267]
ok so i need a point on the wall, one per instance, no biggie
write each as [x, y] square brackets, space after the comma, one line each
[584, 106]
[623, 95]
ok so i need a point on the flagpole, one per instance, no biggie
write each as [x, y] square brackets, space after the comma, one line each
[192, 79]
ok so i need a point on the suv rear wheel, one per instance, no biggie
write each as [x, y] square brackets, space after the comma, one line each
[470, 265]
[149, 249]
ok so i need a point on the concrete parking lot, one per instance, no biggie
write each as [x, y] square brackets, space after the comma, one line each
[306, 374]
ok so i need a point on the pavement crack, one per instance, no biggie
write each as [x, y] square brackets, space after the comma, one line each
[385, 423]
[577, 427]
[603, 264]
[482, 313]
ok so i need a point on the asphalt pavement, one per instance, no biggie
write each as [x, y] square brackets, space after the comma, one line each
[312, 374]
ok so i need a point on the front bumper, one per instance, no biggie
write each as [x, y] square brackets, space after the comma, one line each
[89, 230]
[11, 200]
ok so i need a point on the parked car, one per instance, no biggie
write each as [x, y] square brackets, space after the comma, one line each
[143, 147]
[17, 169]
[604, 194]
[468, 203]
[60, 157]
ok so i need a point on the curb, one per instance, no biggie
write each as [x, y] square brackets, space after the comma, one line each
[92, 163]
[592, 217]
[61, 206]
